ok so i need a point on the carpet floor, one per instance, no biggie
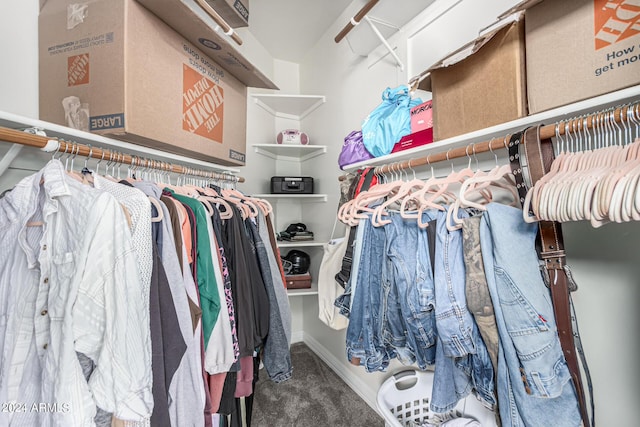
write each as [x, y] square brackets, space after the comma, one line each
[314, 397]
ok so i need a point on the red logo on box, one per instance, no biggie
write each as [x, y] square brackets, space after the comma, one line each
[202, 105]
[78, 70]
[615, 20]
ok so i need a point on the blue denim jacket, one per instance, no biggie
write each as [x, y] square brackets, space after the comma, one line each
[277, 358]
[533, 377]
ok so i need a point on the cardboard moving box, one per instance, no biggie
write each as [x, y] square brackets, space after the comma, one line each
[578, 49]
[482, 84]
[113, 68]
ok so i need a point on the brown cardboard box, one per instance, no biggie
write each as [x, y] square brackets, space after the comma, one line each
[577, 49]
[486, 87]
[298, 281]
[120, 71]
[234, 12]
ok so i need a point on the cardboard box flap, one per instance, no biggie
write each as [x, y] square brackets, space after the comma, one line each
[469, 49]
[520, 7]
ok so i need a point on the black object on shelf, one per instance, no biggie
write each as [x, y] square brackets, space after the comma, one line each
[291, 185]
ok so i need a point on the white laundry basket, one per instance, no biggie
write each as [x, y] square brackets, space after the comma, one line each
[404, 398]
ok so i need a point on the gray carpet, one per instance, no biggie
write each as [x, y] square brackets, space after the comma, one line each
[314, 397]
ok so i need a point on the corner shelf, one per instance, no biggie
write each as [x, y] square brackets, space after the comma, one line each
[301, 197]
[295, 107]
[307, 244]
[313, 290]
[290, 152]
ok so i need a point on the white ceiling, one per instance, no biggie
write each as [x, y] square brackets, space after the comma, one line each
[289, 28]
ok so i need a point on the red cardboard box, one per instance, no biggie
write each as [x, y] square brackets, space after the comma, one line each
[414, 140]
[421, 117]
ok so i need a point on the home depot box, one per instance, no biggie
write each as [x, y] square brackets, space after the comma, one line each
[234, 12]
[577, 49]
[113, 68]
[481, 84]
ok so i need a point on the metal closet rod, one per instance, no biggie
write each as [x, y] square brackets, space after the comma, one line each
[573, 125]
[70, 147]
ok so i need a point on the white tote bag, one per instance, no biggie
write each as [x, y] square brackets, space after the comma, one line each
[328, 288]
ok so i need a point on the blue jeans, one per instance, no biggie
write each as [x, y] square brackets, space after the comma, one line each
[343, 302]
[364, 340]
[462, 360]
[533, 377]
[408, 293]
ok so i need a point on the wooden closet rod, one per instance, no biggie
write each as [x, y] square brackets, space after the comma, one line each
[220, 21]
[355, 20]
[575, 125]
[55, 144]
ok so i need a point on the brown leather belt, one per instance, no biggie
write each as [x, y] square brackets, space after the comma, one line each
[539, 156]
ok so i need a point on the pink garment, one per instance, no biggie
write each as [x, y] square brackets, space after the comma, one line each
[244, 382]
[216, 384]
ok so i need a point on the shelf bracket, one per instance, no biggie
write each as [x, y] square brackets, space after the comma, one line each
[8, 158]
[384, 42]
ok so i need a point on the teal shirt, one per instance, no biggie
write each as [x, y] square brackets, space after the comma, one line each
[209, 298]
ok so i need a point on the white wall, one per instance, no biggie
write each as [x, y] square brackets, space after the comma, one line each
[604, 261]
[19, 53]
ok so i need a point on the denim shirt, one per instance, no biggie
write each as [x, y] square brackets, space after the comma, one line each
[277, 359]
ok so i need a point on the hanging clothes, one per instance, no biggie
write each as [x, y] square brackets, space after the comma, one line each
[469, 302]
[71, 285]
[122, 298]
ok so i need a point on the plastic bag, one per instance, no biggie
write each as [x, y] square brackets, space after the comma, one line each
[353, 150]
[389, 121]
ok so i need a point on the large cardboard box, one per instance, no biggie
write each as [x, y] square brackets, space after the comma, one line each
[114, 68]
[577, 49]
[482, 84]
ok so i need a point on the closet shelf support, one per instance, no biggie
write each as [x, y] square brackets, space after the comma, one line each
[8, 158]
[384, 42]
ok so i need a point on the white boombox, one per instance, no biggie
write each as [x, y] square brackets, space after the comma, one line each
[292, 136]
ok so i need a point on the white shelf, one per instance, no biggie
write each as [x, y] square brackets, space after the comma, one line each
[546, 117]
[295, 107]
[69, 134]
[301, 197]
[307, 244]
[290, 152]
[313, 290]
